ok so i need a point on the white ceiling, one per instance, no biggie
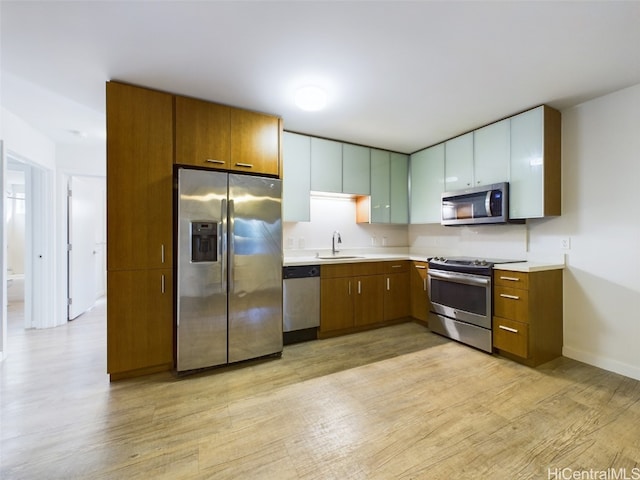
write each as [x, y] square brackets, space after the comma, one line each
[400, 75]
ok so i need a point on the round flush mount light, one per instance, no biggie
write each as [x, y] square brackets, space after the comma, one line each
[311, 98]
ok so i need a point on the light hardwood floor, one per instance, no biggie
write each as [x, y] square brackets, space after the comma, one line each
[393, 403]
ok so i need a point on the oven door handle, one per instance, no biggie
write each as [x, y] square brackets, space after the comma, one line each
[457, 278]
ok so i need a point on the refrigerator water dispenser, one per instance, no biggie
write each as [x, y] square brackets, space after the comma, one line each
[204, 242]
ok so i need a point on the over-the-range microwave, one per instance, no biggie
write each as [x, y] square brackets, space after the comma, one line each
[477, 205]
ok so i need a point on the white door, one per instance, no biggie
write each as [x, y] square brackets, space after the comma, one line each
[85, 243]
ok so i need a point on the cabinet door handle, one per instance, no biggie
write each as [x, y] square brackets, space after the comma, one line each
[246, 165]
[388, 284]
[162, 253]
[424, 284]
[508, 329]
[359, 288]
[421, 267]
[212, 160]
[510, 279]
[512, 297]
[162, 283]
[349, 287]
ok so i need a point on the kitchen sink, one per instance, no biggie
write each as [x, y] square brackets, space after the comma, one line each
[337, 257]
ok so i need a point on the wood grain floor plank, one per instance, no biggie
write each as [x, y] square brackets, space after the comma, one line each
[393, 403]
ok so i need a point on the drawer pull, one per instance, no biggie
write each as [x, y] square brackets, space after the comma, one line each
[219, 162]
[421, 267]
[508, 329]
[511, 279]
[246, 165]
[512, 297]
[396, 266]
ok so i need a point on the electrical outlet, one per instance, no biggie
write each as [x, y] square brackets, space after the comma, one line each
[565, 243]
[384, 241]
[289, 243]
[301, 243]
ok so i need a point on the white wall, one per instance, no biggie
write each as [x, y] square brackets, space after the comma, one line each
[601, 198]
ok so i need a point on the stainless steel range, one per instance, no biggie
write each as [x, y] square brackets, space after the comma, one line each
[461, 294]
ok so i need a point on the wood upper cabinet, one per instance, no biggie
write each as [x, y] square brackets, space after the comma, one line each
[527, 321]
[419, 291]
[139, 177]
[140, 322]
[219, 136]
[255, 142]
[203, 133]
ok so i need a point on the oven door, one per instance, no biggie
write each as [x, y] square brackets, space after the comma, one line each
[461, 296]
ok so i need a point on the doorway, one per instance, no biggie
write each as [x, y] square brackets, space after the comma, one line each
[86, 252]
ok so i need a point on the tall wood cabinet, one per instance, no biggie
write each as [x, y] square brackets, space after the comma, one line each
[140, 230]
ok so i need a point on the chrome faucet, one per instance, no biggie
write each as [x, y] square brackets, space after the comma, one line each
[336, 234]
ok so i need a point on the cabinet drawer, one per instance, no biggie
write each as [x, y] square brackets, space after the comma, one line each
[349, 269]
[511, 336]
[397, 266]
[512, 303]
[511, 279]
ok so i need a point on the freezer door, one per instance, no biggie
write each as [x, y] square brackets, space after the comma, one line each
[202, 267]
[255, 267]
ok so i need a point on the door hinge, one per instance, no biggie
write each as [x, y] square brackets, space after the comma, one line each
[69, 247]
[69, 193]
[69, 301]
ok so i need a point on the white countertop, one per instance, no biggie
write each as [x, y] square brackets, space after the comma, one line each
[381, 257]
[529, 266]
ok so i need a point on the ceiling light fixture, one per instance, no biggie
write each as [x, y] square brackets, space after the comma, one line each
[311, 98]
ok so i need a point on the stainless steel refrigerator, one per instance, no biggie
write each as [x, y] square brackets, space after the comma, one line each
[229, 268]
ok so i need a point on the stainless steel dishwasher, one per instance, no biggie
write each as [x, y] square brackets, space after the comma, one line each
[301, 303]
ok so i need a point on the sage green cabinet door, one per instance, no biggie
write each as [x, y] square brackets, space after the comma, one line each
[458, 163]
[296, 184]
[356, 169]
[527, 164]
[491, 152]
[326, 165]
[399, 188]
[427, 184]
[380, 187]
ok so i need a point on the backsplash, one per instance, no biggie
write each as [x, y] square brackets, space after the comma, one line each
[329, 214]
[536, 240]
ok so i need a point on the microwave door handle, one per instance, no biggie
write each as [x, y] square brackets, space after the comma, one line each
[465, 279]
[487, 203]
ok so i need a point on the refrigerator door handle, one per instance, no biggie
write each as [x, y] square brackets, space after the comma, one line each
[222, 252]
[232, 252]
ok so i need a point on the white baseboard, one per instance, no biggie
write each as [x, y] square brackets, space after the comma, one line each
[605, 363]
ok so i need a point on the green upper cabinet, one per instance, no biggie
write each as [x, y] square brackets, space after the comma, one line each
[380, 186]
[458, 164]
[296, 184]
[355, 169]
[427, 184]
[491, 152]
[535, 180]
[326, 165]
[399, 188]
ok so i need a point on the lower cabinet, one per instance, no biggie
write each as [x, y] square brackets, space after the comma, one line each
[355, 296]
[527, 321]
[140, 319]
[418, 291]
